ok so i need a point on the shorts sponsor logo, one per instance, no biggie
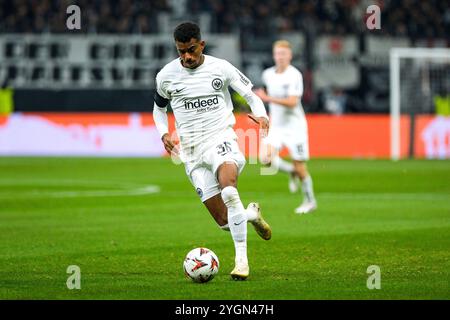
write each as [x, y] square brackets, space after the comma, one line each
[217, 84]
[199, 192]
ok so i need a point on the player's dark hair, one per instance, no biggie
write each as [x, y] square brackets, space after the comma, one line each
[185, 31]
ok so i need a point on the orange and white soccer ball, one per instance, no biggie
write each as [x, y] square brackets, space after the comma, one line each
[201, 265]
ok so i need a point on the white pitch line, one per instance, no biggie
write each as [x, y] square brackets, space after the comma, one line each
[124, 190]
[67, 182]
[427, 196]
[386, 196]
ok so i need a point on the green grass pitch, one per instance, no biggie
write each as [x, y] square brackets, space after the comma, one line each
[56, 212]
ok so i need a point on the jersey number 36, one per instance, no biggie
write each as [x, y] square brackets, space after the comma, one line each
[224, 148]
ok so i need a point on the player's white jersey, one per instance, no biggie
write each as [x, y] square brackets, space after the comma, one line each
[282, 85]
[199, 97]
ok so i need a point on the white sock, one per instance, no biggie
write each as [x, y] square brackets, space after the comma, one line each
[282, 165]
[241, 252]
[251, 214]
[237, 222]
[307, 188]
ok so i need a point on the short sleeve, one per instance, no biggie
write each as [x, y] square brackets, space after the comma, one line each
[295, 84]
[264, 77]
[161, 86]
[235, 78]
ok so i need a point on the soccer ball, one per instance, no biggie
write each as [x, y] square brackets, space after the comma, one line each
[201, 265]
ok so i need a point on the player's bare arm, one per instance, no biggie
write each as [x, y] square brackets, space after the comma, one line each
[263, 124]
[289, 102]
[169, 144]
[259, 114]
[162, 123]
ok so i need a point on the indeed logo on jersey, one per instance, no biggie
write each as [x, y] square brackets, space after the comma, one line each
[188, 105]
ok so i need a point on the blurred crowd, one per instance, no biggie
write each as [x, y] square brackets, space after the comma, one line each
[413, 18]
[257, 18]
[97, 16]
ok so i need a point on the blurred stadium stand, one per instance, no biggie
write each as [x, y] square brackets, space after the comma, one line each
[345, 65]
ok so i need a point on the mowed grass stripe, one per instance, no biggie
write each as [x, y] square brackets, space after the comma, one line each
[394, 215]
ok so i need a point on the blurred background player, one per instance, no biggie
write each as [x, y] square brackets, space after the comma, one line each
[284, 85]
[196, 85]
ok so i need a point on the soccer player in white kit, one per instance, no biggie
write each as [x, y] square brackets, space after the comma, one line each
[196, 85]
[288, 127]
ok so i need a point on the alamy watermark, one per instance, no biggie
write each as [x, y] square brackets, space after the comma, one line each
[73, 21]
[374, 280]
[374, 17]
[74, 280]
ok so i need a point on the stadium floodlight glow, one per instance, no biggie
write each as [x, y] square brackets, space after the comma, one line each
[439, 56]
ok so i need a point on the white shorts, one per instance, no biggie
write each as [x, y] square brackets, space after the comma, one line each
[202, 171]
[294, 139]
